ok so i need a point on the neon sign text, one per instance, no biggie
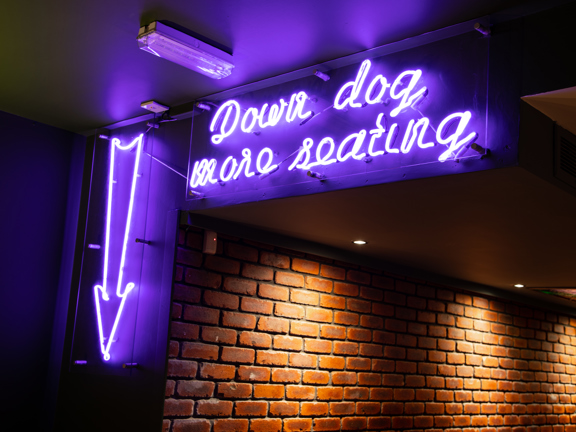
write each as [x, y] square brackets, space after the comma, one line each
[101, 291]
[391, 135]
[228, 116]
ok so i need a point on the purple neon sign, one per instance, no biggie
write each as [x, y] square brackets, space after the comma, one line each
[415, 110]
[102, 295]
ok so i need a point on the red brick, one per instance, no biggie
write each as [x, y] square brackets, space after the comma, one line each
[237, 355]
[234, 391]
[188, 257]
[178, 407]
[356, 305]
[253, 373]
[286, 375]
[315, 377]
[231, 425]
[187, 293]
[318, 284]
[304, 329]
[182, 368]
[331, 362]
[346, 348]
[358, 363]
[304, 297]
[329, 393]
[342, 408]
[239, 286]
[332, 272]
[297, 425]
[371, 293]
[273, 292]
[367, 408]
[333, 332]
[257, 306]
[326, 424]
[311, 409]
[354, 423]
[251, 409]
[216, 371]
[284, 409]
[252, 271]
[369, 379]
[214, 408]
[332, 302]
[290, 279]
[199, 351]
[305, 266]
[303, 360]
[218, 335]
[371, 322]
[268, 391]
[271, 358]
[273, 325]
[288, 310]
[317, 346]
[238, 320]
[358, 277]
[221, 300]
[346, 289]
[371, 350]
[176, 311]
[265, 425]
[359, 335]
[253, 339]
[318, 315]
[199, 389]
[288, 343]
[346, 318]
[201, 314]
[382, 309]
[300, 392]
[179, 330]
[379, 423]
[395, 298]
[202, 278]
[274, 260]
[223, 265]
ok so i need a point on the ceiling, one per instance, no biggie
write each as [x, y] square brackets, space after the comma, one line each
[76, 65]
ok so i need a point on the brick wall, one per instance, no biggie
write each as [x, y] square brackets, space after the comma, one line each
[266, 339]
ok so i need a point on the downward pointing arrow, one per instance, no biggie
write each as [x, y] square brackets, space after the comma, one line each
[101, 294]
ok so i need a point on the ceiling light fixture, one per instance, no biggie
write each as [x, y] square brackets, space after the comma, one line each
[185, 50]
[360, 242]
[519, 286]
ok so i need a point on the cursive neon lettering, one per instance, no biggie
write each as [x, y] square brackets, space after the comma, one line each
[245, 164]
[268, 167]
[227, 126]
[296, 106]
[250, 113]
[350, 91]
[453, 140]
[303, 154]
[325, 160]
[357, 139]
[391, 138]
[406, 99]
[377, 133]
[227, 171]
[202, 173]
[370, 98]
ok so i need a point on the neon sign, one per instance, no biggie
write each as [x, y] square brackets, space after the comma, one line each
[356, 128]
[101, 291]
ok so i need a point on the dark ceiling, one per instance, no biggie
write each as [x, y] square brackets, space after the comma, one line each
[76, 64]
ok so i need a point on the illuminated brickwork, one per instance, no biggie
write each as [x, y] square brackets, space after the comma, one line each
[267, 339]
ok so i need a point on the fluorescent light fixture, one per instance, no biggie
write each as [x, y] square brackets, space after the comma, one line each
[360, 242]
[177, 47]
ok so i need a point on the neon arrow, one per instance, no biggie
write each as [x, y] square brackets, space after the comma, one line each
[102, 290]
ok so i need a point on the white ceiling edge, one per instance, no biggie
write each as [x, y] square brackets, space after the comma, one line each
[559, 105]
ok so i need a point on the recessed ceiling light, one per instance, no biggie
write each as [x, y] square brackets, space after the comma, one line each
[359, 242]
[519, 286]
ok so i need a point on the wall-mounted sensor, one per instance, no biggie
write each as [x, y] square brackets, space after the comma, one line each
[210, 242]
